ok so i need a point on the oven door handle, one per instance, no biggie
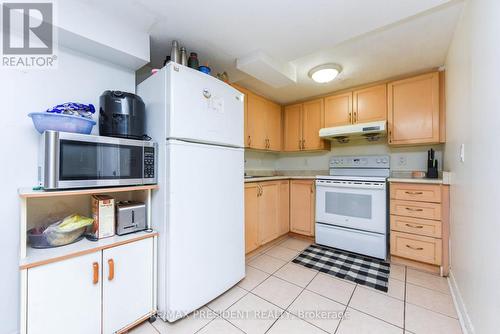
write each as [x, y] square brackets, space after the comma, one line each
[355, 185]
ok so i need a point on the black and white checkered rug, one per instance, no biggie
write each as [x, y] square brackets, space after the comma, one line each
[353, 267]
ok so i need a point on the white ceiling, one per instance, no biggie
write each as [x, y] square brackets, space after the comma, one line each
[370, 39]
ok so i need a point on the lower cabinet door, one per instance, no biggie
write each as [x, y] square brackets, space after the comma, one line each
[65, 297]
[302, 204]
[252, 193]
[284, 208]
[269, 211]
[127, 284]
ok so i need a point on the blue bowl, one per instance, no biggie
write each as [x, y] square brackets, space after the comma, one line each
[204, 69]
[44, 121]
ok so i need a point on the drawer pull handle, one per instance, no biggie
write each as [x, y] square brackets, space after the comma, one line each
[414, 248]
[414, 226]
[414, 209]
[95, 267]
[414, 192]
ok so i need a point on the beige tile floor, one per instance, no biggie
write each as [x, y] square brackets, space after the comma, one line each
[280, 297]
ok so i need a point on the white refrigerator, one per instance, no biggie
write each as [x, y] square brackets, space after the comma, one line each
[198, 210]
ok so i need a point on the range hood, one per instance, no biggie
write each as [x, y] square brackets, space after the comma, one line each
[372, 131]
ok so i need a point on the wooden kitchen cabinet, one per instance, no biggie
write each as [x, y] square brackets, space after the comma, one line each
[370, 104]
[302, 124]
[284, 207]
[302, 207]
[293, 128]
[256, 122]
[266, 212]
[269, 205]
[273, 126]
[419, 218]
[415, 110]
[262, 122]
[338, 110]
[312, 121]
[65, 295]
[252, 193]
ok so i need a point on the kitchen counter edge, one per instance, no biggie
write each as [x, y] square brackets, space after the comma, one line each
[274, 178]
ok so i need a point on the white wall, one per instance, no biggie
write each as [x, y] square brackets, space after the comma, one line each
[78, 78]
[473, 118]
[402, 158]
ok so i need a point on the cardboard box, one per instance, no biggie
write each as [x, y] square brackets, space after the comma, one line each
[103, 212]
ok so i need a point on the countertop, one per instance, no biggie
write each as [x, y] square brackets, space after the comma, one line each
[283, 177]
[405, 177]
[396, 176]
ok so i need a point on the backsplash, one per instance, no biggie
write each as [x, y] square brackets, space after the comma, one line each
[402, 158]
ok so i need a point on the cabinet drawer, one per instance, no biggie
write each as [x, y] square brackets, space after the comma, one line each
[430, 228]
[416, 209]
[415, 247]
[416, 192]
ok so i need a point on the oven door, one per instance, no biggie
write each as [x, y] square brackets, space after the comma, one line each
[359, 205]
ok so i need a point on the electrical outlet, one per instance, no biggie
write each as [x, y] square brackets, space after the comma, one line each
[402, 161]
[306, 162]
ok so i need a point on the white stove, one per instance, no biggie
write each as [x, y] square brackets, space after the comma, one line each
[351, 205]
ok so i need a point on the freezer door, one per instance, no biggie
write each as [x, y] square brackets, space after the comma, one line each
[204, 238]
[203, 108]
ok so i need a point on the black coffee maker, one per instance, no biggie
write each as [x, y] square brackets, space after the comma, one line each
[122, 115]
[432, 165]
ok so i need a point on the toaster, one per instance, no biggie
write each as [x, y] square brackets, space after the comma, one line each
[130, 217]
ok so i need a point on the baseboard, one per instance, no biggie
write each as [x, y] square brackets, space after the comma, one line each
[463, 316]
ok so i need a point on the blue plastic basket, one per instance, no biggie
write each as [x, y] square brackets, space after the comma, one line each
[60, 122]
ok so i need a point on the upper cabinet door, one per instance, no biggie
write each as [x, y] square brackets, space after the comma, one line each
[256, 115]
[127, 279]
[246, 137]
[273, 126]
[414, 110]
[65, 296]
[293, 128]
[338, 110]
[312, 122]
[370, 104]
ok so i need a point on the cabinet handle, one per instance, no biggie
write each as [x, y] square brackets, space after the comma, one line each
[414, 192]
[249, 141]
[414, 248]
[414, 226]
[303, 144]
[300, 144]
[95, 267]
[111, 265]
[312, 189]
[355, 117]
[390, 136]
[414, 209]
[350, 117]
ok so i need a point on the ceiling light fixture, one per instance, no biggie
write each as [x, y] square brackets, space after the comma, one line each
[325, 73]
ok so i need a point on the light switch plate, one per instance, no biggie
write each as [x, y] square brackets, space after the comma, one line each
[462, 153]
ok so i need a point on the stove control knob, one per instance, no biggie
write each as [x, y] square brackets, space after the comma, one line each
[378, 161]
[384, 160]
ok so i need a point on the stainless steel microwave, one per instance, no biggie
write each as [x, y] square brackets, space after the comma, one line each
[70, 160]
